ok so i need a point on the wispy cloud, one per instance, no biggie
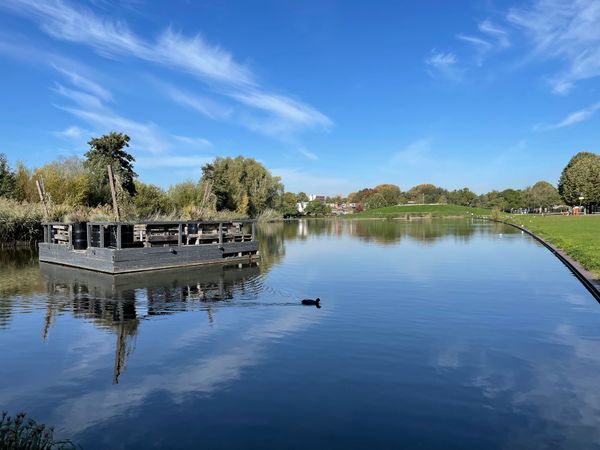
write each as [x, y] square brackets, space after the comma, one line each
[416, 154]
[205, 106]
[73, 132]
[210, 64]
[84, 83]
[564, 30]
[494, 31]
[146, 136]
[195, 142]
[482, 47]
[575, 117]
[444, 64]
[310, 155]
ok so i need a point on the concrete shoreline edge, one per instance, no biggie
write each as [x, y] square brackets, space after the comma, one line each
[587, 278]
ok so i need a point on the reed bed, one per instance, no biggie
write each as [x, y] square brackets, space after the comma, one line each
[22, 433]
[21, 222]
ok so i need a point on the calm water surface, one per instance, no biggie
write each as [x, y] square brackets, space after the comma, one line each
[432, 334]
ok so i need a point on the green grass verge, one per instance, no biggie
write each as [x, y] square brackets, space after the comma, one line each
[422, 210]
[578, 236]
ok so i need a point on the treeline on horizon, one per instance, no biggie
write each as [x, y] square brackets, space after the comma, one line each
[77, 189]
[579, 185]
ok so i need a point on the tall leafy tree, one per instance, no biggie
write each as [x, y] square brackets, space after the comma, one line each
[581, 178]
[105, 150]
[464, 197]
[243, 183]
[541, 195]
[390, 193]
[7, 178]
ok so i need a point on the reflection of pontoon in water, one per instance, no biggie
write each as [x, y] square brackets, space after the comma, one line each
[116, 247]
[120, 302]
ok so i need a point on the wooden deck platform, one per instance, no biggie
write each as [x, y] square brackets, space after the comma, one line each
[114, 247]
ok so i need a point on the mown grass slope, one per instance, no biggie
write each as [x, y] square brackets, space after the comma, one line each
[578, 236]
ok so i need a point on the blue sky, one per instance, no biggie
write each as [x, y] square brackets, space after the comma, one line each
[332, 96]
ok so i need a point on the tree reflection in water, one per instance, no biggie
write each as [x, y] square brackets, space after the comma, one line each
[120, 303]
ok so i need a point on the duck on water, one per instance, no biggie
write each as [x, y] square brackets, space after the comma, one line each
[310, 301]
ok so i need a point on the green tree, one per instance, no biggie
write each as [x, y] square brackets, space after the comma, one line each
[513, 199]
[7, 178]
[288, 204]
[426, 193]
[317, 208]
[24, 189]
[150, 200]
[105, 150]
[463, 197]
[302, 197]
[66, 181]
[581, 178]
[390, 193]
[186, 193]
[492, 200]
[541, 195]
[233, 180]
[376, 200]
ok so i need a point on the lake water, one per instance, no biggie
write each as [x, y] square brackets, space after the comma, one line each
[432, 334]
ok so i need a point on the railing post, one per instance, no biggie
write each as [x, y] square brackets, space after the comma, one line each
[119, 235]
[253, 237]
[70, 235]
[46, 234]
[220, 233]
[101, 230]
[179, 234]
[50, 237]
[88, 233]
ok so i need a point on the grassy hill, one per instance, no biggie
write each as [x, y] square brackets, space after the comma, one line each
[422, 210]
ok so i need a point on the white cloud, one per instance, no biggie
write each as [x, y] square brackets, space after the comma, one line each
[210, 64]
[73, 132]
[478, 42]
[564, 30]
[494, 31]
[416, 154]
[196, 142]
[146, 137]
[204, 106]
[575, 117]
[444, 64]
[308, 154]
[83, 99]
[85, 83]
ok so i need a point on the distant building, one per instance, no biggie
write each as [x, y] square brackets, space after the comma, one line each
[301, 206]
[319, 198]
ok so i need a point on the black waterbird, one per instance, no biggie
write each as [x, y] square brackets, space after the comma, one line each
[310, 301]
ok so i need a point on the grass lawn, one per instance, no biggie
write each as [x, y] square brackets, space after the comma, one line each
[579, 236]
[433, 210]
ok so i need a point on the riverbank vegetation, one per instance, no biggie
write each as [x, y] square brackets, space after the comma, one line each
[578, 236]
[23, 433]
[401, 211]
[77, 189]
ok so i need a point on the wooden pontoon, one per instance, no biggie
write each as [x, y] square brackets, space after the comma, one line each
[120, 247]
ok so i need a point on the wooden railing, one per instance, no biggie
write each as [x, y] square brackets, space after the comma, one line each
[152, 234]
